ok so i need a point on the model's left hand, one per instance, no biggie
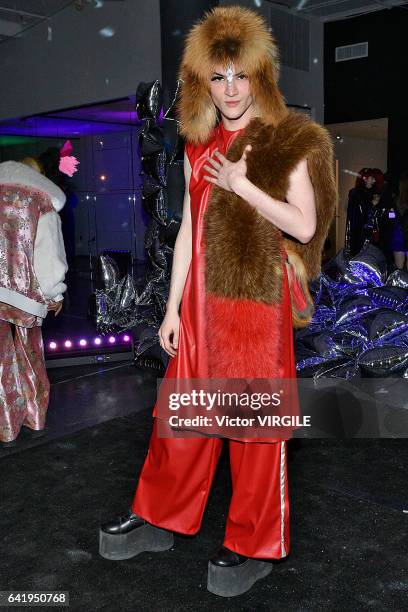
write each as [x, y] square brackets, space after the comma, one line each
[225, 173]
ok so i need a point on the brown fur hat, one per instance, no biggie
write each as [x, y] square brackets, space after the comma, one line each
[228, 35]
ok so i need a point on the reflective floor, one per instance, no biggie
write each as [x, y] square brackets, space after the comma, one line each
[82, 396]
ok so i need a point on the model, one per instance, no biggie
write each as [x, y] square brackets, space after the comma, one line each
[254, 171]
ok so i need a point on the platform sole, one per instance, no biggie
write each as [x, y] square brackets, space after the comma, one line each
[9, 444]
[233, 581]
[146, 538]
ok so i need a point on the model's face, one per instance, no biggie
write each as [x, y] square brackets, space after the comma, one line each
[369, 181]
[230, 91]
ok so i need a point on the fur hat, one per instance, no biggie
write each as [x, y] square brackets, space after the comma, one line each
[228, 35]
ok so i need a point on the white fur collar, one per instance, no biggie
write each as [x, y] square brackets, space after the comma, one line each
[16, 173]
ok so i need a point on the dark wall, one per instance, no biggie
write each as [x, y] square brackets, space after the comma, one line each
[371, 87]
[176, 20]
[79, 65]
[397, 147]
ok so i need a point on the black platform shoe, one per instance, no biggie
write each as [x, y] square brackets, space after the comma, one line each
[231, 574]
[131, 535]
[10, 444]
[33, 433]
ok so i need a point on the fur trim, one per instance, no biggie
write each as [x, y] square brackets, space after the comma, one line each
[302, 301]
[243, 249]
[237, 326]
[16, 173]
[228, 34]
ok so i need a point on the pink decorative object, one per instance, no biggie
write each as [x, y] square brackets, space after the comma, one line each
[66, 149]
[68, 165]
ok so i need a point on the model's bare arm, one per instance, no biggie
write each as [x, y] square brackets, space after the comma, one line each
[181, 262]
[296, 216]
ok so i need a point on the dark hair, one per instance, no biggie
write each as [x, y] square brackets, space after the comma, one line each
[50, 160]
[364, 173]
[379, 178]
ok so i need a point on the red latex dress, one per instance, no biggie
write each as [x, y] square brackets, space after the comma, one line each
[192, 359]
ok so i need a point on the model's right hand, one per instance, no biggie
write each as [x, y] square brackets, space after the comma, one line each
[55, 306]
[170, 329]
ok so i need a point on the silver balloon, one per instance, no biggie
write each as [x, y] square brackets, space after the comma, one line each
[394, 298]
[339, 368]
[110, 271]
[359, 325]
[383, 360]
[357, 329]
[400, 340]
[307, 358]
[323, 345]
[386, 324]
[147, 339]
[362, 273]
[398, 278]
[129, 293]
[368, 267]
[354, 308]
[323, 316]
[348, 343]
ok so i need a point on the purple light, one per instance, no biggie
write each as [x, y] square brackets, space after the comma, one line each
[83, 342]
[112, 339]
[67, 343]
[97, 341]
[52, 346]
[126, 338]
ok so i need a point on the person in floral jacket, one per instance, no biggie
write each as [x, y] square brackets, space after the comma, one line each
[32, 271]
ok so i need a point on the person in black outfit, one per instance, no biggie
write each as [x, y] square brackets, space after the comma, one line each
[358, 209]
[368, 214]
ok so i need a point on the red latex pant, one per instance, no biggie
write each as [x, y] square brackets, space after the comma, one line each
[176, 479]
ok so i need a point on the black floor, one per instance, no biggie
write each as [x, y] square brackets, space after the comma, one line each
[348, 525]
[82, 396]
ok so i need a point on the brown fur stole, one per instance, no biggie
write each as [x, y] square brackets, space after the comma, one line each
[243, 249]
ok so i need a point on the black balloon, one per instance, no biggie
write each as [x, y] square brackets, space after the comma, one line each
[149, 100]
[151, 140]
[122, 305]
